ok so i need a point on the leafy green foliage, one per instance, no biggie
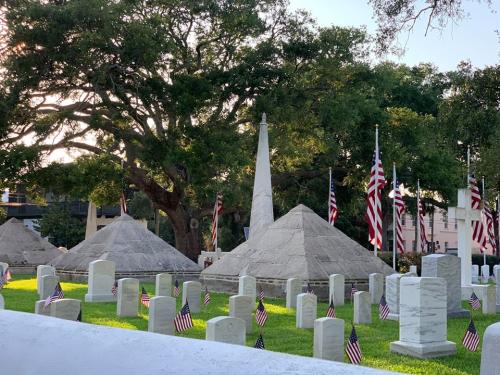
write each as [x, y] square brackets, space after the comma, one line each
[61, 228]
[3, 215]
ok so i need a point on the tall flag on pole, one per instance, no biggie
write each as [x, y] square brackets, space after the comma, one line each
[354, 290]
[332, 203]
[490, 226]
[330, 312]
[398, 212]
[114, 288]
[177, 290]
[471, 337]
[58, 294]
[478, 233]
[183, 320]
[383, 308]
[206, 300]
[215, 220]
[261, 314]
[145, 297]
[374, 205]
[474, 302]
[353, 350]
[420, 217]
[261, 294]
[259, 344]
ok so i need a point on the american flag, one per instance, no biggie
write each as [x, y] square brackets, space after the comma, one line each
[215, 219]
[474, 302]
[399, 210]
[206, 301]
[352, 349]
[330, 312]
[332, 203]
[489, 224]
[374, 205]
[58, 294]
[421, 224]
[183, 320]
[309, 289]
[114, 288]
[123, 204]
[383, 308]
[261, 314]
[177, 290]
[261, 294]
[145, 297]
[471, 338]
[259, 344]
[478, 232]
[353, 290]
[7, 276]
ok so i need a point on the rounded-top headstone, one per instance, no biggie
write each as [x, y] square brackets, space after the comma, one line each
[226, 329]
[101, 280]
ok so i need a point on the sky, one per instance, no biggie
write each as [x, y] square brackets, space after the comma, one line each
[473, 38]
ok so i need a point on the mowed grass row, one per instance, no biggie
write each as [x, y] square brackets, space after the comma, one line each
[279, 334]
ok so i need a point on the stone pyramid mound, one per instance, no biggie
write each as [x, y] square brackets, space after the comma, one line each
[20, 246]
[300, 244]
[132, 247]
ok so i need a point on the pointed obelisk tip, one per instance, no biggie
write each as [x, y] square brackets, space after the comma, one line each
[264, 118]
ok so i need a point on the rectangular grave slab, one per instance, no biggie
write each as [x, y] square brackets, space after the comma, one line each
[101, 281]
[161, 315]
[226, 329]
[128, 298]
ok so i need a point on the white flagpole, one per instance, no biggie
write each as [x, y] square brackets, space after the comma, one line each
[216, 222]
[329, 199]
[468, 165]
[394, 231]
[418, 244]
[376, 189]
[485, 227]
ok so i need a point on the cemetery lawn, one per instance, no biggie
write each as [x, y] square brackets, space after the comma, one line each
[279, 334]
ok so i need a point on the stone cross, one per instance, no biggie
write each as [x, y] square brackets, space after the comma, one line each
[464, 214]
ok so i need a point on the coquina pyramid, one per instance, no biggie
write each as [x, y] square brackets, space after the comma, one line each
[132, 247]
[20, 246]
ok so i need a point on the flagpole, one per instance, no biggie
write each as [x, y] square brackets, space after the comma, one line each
[329, 200]
[376, 190]
[394, 231]
[216, 222]
[418, 244]
[485, 226]
[468, 165]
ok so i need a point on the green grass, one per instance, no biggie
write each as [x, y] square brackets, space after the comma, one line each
[280, 333]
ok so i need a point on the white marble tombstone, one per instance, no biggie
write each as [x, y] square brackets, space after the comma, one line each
[307, 309]
[497, 287]
[101, 280]
[191, 292]
[329, 339]
[376, 287]
[485, 274]
[163, 284]
[128, 298]
[447, 267]
[226, 329]
[489, 350]
[423, 319]
[336, 285]
[2, 302]
[413, 269]
[66, 308]
[362, 308]
[475, 273]
[41, 309]
[242, 307]
[487, 295]
[293, 288]
[48, 285]
[247, 286]
[392, 294]
[161, 315]
[495, 270]
[43, 271]
[3, 267]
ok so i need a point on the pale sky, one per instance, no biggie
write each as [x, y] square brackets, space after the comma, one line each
[473, 38]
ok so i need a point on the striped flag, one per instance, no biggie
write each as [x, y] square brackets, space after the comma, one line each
[261, 314]
[332, 203]
[399, 211]
[471, 338]
[474, 302]
[215, 219]
[261, 294]
[206, 300]
[374, 205]
[330, 312]
[489, 223]
[58, 294]
[354, 290]
[421, 224]
[114, 288]
[7, 276]
[259, 344]
[383, 308]
[478, 232]
[177, 290]
[183, 320]
[145, 298]
[353, 349]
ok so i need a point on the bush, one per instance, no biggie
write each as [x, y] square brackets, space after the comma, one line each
[403, 262]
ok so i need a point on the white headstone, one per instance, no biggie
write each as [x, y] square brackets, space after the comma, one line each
[497, 287]
[128, 298]
[2, 302]
[3, 267]
[48, 285]
[191, 292]
[163, 284]
[329, 339]
[489, 350]
[447, 267]
[242, 307]
[362, 308]
[66, 308]
[376, 287]
[413, 269]
[43, 271]
[247, 286]
[226, 329]
[307, 309]
[161, 315]
[101, 281]
[487, 295]
[392, 294]
[423, 319]
[293, 289]
[495, 270]
[475, 273]
[41, 309]
[485, 273]
[336, 285]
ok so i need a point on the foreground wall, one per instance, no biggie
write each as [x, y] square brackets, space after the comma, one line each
[41, 345]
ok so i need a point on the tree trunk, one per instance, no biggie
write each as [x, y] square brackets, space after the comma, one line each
[187, 232]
